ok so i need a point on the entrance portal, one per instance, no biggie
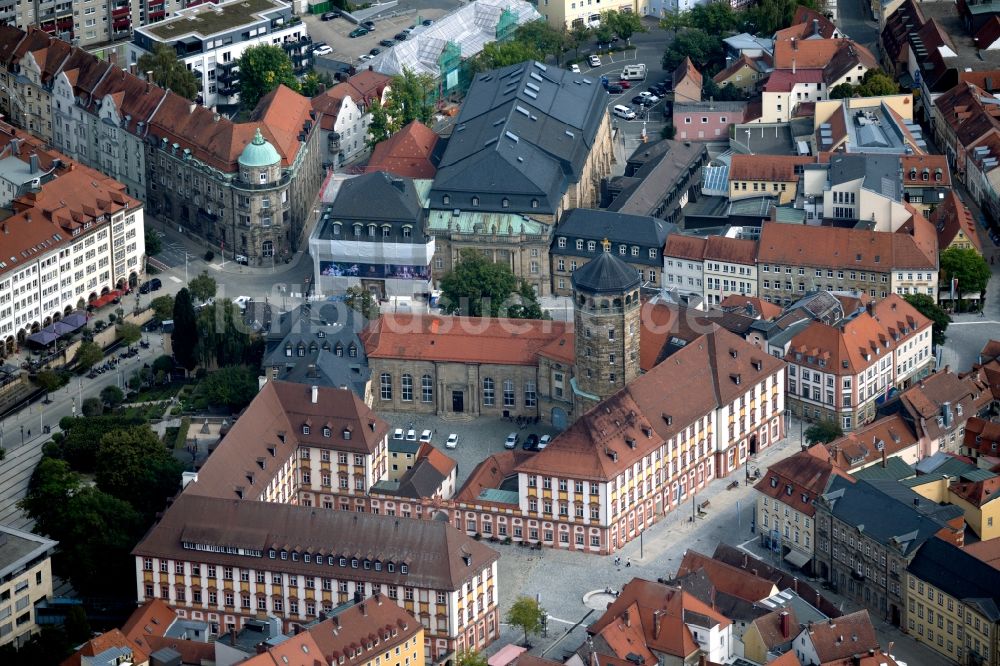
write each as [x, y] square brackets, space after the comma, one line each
[457, 402]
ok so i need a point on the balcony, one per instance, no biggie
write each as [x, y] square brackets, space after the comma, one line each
[227, 91]
[119, 12]
[858, 575]
[226, 65]
[226, 75]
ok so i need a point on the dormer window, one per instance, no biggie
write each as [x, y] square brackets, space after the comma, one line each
[475, 201]
[446, 199]
[505, 202]
[339, 349]
[534, 203]
[326, 432]
[347, 433]
[305, 429]
[352, 351]
[336, 229]
[774, 482]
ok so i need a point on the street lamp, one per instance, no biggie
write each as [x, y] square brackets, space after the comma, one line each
[22, 435]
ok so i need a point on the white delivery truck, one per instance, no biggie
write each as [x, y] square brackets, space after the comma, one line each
[633, 73]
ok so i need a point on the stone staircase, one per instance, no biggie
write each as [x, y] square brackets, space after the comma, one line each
[461, 417]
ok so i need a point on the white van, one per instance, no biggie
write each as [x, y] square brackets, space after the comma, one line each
[623, 112]
[633, 73]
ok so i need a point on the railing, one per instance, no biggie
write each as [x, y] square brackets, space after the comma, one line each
[257, 187]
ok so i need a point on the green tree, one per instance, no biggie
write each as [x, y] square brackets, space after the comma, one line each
[502, 54]
[528, 307]
[823, 431]
[876, 83]
[928, 307]
[675, 21]
[49, 646]
[541, 37]
[575, 37]
[470, 658]
[202, 286]
[668, 131]
[715, 18]
[313, 83]
[705, 51]
[52, 485]
[262, 69]
[224, 339]
[623, 24]
[154, 245]
[382, 126]
[133, 465]
[360, 299]
[476, 286]
[603, 33]
[87, 355]
[169, 72]
[411, 98]
[92, 407]
[526, 614]
[232, 387]
[76, 626]
[842, 91]
[112, 396]
[163, 364]
[49, 381]
[129, 333]
[185, 335]
[163, 306]
[769, 16]
[966, 265]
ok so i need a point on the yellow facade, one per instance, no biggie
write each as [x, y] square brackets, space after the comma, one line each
[784, 190]
[949, 626]
[984, 520]
[564, 13]
[24, 581]
[407, 653]
[746, 78]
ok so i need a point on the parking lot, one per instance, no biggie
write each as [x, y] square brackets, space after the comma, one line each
[336, 32]
[476, 439]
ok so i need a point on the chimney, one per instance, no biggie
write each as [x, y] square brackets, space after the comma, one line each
[315, 394]
[626, 618]
[232, 636]
[883, 459]
[364, 611]
[946, 414]
[795, 45]
[786, 624]
[33, 162]
[793, 63]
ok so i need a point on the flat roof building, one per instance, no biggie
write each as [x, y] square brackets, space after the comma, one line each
[25, 580]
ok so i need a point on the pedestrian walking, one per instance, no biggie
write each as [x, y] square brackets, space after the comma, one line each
[628, 562]
[618, 561]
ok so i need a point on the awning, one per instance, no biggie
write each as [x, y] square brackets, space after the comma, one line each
[60, 329]
[43, 338]
[76, 320]
[797, 558]
[507, 654]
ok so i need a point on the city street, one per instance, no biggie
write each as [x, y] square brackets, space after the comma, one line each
[854, 18]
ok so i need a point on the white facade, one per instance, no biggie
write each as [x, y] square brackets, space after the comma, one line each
[685, 275]
[723, 278]
[66, 277]
[352, 125]
[778, 106]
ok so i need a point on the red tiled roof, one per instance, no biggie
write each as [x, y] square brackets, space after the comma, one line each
[743, 61]
[913, 167]
[859, 448]
[354, 625]
[767, 168]
[726, 578]
[977, 493]
[783, 80]
[298, 650]
[153, 618]
[982, 436]
[805, 54]
[798, 480]
[460, 339]
[988, 33]
[362, 88]
[951, 217]
[106, 641]
[987, 551]
[732, 250]
[843, 637]
[740, 303]
[406, 153]
[490, 474]
[687, 70]
[685, 247]
[838, 247]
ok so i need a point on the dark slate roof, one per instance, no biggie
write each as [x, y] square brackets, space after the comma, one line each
[606, 274]
[524, 132]
[959, 574]
[904, 519]
[619, 228]
[378, 196]
[324, 325]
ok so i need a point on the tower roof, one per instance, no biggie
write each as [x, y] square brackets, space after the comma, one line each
[259, 152]
[606, 274]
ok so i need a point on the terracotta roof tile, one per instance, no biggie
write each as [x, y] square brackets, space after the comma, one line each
[106, 641]
[777, 628]
[952, 216]
[460, 339]
[761, 308]
[687, 70]
[377, 613]
[726, 578]
[860, 447]
[768, 168]
[685, 247]
[732, 250]
[977, 493]
[151, 619]
[838, 247]
[490, 474]
[982, 436]
[409, 152]
[298, 650]
[805, 54]
[798, 480]
[843, 637]
[987, 551]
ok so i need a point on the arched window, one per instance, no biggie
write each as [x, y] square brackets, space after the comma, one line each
[508, 393]
[406, 383]
[489, 392]
[385, 386]
[336, 229]
[426, 389]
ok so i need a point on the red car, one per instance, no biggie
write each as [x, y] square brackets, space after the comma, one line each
[625, 84]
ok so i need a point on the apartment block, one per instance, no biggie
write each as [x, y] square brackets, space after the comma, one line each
[25, 580]
[209, 39]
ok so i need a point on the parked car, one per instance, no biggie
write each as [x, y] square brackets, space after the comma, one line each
[452, 441]
[594, 60]
[364, 57]
[387, 43]
[411, 435]
[375, 51]
[326, 49]
[150, 285]
[511, 441]
[358, 32]
[544, 441]
[397, 434]
[645, 94]
[615, 89]
[575, 68]
[427, 22]
[530, 443]
[241, 259]
[638, 99]
[425, 437]
[368, 25]
[401, 36]
[329, 16]
[625, 84]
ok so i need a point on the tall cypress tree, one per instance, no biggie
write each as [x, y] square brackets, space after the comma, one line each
[185, 335]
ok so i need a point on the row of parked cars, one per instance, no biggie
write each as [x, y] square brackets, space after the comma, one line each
[531, 443]
[425, 437]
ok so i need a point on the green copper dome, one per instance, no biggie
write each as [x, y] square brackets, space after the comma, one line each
[259, 153]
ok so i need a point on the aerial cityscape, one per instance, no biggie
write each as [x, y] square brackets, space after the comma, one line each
[500, 333]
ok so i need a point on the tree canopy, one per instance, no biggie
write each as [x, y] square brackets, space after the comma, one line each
[163, 306]
[185, 335]
[623, 24]
[823, 432]
[134, 466]
[170, 73]
[315, 82]
[501, 54]
[928, 307]
[129, 333]
[704, 49]
[232, 387]
[87, 355]
[224, 338]
[262, 69]
[526, 614]
[202, 286]
[154, 245]
[360, 299]
[966, 265]
[411, 98]
[478, 287]
[382, 126]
